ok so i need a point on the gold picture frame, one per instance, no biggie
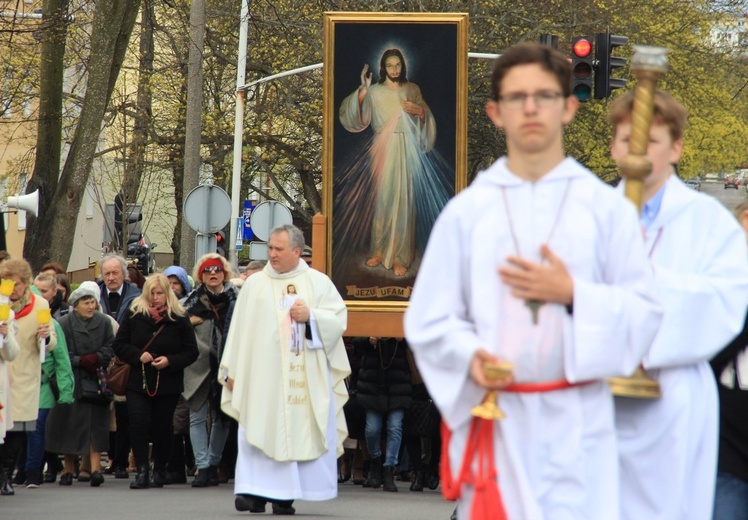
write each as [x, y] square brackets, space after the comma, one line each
[394, 150]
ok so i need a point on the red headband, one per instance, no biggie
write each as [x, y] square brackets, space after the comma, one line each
[210, 262]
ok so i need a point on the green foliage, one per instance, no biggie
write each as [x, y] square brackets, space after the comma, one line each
[283, 119]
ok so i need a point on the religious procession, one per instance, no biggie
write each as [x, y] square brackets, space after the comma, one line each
[569, 350]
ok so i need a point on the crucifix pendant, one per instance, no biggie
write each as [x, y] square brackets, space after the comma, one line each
[534, 306]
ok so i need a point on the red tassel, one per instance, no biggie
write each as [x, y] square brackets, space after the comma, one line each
[487, 503]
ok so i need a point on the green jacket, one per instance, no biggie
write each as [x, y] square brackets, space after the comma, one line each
[57, 363]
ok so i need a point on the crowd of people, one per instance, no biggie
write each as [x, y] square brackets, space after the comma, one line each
[64, 424]
[544, 283]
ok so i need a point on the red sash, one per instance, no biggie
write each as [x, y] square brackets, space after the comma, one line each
[487, 503]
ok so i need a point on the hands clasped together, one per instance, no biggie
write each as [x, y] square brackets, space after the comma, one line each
[548, 281]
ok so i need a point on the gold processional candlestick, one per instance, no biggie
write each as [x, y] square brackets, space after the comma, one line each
[489, 408]
[649, 65]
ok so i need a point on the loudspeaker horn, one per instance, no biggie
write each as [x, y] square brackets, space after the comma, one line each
[28, 202]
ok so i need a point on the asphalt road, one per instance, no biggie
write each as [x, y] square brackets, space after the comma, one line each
[115, 501]
[729, 197]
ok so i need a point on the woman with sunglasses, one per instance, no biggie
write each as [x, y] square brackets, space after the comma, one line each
[207, 306]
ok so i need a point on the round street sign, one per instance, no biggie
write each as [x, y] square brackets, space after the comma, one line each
[268, 215]
[207, 208]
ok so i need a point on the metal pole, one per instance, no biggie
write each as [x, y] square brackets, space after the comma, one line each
[236, 173]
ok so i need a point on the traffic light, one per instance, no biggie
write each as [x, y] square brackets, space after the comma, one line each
[581, 68]
[549, 40]
[221, 243]
[127, 215]
[604, 45]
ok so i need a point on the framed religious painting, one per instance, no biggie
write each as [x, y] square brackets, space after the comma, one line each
[394, 150]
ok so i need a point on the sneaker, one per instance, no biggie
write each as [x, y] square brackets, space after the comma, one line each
[33, 479]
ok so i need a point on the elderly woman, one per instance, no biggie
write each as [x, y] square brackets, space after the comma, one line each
[82, 428]
[8, 352]
[157, 339]
[57, 385]
[25, 371]
[208, 306]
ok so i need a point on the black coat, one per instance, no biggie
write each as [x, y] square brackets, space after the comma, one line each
[384, 381]
[176, 341]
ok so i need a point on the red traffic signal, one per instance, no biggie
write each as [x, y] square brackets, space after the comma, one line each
[582, 47]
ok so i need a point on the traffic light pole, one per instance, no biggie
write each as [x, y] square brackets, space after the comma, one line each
[236, 172]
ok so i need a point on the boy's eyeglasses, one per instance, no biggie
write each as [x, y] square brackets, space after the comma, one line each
[213, 269]
[542, 99]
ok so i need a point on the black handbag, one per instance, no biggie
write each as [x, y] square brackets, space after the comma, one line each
[91, 392]
[421, 419]
[355, 415]
[53, 386]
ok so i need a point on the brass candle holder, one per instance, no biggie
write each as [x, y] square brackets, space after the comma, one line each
[489, 408]
[649, 65]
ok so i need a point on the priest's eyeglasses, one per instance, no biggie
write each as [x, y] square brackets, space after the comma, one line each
[213, 269]
[541, 99]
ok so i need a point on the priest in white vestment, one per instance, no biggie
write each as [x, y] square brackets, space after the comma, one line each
[668, 446]
[286, 392]
[529, 213]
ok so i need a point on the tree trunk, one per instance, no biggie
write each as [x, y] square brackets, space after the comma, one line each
[49, 128]
[193, 121]
[134, 166]
[48, 237]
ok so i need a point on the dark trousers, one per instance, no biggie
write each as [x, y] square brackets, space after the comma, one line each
[151, 418]
[15, 442]
[121, 436]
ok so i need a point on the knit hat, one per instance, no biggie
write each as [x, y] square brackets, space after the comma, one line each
[81, 292]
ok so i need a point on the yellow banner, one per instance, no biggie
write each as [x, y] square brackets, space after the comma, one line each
[369, 293]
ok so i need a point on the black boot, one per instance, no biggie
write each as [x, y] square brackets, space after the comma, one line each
[14, 443]
[20, 478]
[142, 480]
[6, 485]
[159, 477]
[212, 475]
[201, 479]
[375, 473]
[417, 483]
[432, 478]
[388, 479]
